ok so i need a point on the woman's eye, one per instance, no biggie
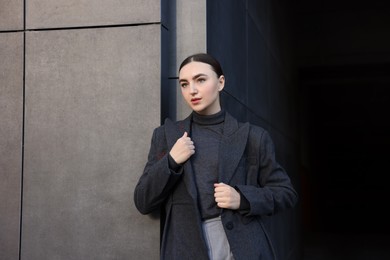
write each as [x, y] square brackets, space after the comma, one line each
[183, 85]
[201, 80]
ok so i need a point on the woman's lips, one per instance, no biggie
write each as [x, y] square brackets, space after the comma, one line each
[195, 100]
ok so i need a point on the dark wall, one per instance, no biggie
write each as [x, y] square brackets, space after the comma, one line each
[343, 63]
[349, 133]
[343, 58]
[252, 39]
[316, 75]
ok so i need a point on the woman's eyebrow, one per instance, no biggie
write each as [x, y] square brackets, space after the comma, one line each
[199, 75]
[194, 77]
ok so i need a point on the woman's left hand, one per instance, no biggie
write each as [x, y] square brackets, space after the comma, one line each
[226, 196]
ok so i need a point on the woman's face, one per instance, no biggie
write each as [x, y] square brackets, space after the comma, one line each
[200, 87]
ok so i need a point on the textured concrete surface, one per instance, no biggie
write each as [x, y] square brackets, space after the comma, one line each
[92, 101]
[76, 13]
[11, 116]
[11, 15]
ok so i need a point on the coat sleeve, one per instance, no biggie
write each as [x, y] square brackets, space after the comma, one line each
[268, 189]
[157, 179]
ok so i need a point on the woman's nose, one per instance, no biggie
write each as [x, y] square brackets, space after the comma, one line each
[193, 89]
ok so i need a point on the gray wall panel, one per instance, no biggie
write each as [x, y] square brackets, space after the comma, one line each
[11, 15]
[11, 118]
[86, 142]
[75, 13]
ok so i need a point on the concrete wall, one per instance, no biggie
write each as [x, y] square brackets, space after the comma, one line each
[11, 116]
[253, 41]
[86, 64]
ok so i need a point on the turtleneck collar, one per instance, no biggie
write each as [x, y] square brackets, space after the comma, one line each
[209, 119]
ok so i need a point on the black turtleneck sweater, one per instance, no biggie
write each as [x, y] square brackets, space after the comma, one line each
[206, 134]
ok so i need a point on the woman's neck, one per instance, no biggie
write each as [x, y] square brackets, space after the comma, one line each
[213, 119]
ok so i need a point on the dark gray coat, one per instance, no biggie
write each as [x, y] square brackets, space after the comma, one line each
[247, 162]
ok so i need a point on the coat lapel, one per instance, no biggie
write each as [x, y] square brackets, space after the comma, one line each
[174, 131]
[232, 147]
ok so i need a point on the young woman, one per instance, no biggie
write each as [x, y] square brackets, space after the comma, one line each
[213, 176]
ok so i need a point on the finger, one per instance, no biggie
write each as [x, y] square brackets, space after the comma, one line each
[185, 134]
[218, 184]
[219, 192]
[216, 190]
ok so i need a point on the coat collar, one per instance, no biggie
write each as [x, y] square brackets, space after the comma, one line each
[231, 149]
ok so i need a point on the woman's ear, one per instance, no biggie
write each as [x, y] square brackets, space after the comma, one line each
[221, 82]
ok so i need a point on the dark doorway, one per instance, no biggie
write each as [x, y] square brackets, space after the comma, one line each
[343, 64]
[350, 135]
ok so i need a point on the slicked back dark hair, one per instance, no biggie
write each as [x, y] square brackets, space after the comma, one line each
[205, 58]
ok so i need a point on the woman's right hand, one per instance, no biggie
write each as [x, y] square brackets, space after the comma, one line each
[182, 149]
